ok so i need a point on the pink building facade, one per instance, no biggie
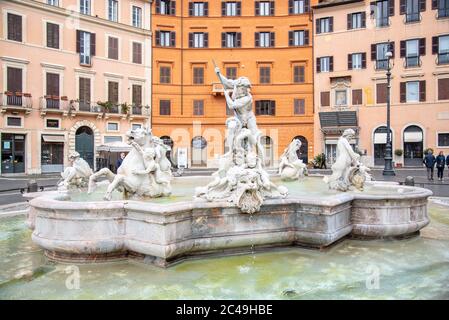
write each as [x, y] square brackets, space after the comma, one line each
[76, 74]
[350, 41]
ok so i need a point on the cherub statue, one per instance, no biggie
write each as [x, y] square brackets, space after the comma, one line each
[290, 166]
[77, 175]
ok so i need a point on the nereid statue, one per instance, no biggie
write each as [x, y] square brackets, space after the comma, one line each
[347, 171]
[241, 178]
[77, 175]
[145, 171]
[290, 166]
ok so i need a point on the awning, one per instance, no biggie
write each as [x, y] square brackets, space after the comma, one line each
[413, 136]
[115, 146]
[50, 138]
[380, 138]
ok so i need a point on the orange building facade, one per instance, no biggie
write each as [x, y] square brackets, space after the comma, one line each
[270, 42]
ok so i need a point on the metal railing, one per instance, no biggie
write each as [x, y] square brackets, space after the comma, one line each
[51, 102]
[410, 62]
[16, 99]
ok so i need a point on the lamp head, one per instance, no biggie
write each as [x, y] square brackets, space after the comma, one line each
[388, 55]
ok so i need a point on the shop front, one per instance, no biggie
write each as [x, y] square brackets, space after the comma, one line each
[12, 153]
[52, 153]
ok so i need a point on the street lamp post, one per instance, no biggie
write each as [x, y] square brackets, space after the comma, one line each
[388, 169]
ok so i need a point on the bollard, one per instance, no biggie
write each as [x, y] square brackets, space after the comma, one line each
[409, 181]
[32, 186]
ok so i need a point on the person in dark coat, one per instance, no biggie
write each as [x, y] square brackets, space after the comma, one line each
[441, 162]
[429, 161]
[447, 162]
[120, 160]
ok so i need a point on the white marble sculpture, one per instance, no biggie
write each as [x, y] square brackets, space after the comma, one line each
[241, 178]
[145, 171]
[76, 175]
[290, 166]
[347, 171]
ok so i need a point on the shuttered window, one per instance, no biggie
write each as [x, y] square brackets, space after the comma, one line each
[14, 27]
[298, 6]
[264, 74]
[113, 48]
[299, 107]
[113, 92]
[137, 52]
[165, 75]
[357, 97]
[165, 38]
[137, 95]
[84, 94]
[52, 35]
[198, 75]
[443, 89]
[14, 79]
[266, 107]
[164, 107]
[198, 107]
[298, 38]
[298, 74]
[166, 7]
[264, 8]
[264, 39]
[231, 73]
[325, 98]
[52, 97]
[381, 93]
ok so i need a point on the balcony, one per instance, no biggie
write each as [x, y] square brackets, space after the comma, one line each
[16, 102]
[218, 90]
[54, 104]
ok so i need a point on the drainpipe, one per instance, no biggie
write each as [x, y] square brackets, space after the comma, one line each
[182, 58]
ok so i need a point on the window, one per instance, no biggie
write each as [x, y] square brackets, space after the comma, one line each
[112, 126]
[14, 27]
[113, 10]
[137, 17]
[14, 77]
[165, 74]
[381, 93]
[165, 38]
[443, 140]
[411, 9]
[231, 39]
[265, 107]
[264, 8]
[325, 98]
[113, 96]
[164, 107]
[378, 53]
[137, 52]
[298, 74]
[341, 98]
[198, 9]
[85, 7]
[411, 50]
[85, 46]
[166, 7]
[136, 98]
[231, 8]
[198, 75]
[357, 61]
[412, 91]
[440, 47]
[52, 35]
[442, 6]
[198, 107]
[324, 25]
[52, 123]
[231, 73]
[382, 11]
[52, 90]
[298, 38]
[264, 39]
[443, 92]
[113, 48]
[356, 20]
[357, 97]
[53, 2]
[298, 6]
[136, 126]
[299, 107]
[14, 122]
[84, 94]
[325, 64]
[198, 39]
[264, 75]
[109, 139]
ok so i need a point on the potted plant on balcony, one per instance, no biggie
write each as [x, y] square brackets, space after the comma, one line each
[9, 93]
[398, 153]
[19, 94]
[64, 98]
[27, 95]
[105, 106]
[124, 108]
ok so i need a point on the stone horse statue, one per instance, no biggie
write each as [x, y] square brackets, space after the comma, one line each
[145, 171]
[290, 166]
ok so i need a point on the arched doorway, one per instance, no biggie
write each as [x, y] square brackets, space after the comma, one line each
[380, 141]
[84, 144]
[267, 143]
[413, 146]
[168, 142]
[304, 150]
[199, 151]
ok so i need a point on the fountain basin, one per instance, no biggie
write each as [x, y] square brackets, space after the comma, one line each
[165, 232]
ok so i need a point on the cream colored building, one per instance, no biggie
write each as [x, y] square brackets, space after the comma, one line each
[75, 74]
[350, 41]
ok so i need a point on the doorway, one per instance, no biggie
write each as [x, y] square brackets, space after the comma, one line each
[199, 152]
[84, 144]
[413, 146]
[13, 153]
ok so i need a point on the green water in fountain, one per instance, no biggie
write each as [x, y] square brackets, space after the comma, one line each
[416, 268]
[184, 188]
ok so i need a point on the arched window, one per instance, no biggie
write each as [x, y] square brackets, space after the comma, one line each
[84, 144]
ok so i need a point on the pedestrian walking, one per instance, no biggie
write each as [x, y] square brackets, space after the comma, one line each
[429, 161]
[447, 162]
[440, 162]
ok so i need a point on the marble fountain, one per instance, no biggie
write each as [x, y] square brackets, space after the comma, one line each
[145, 214]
